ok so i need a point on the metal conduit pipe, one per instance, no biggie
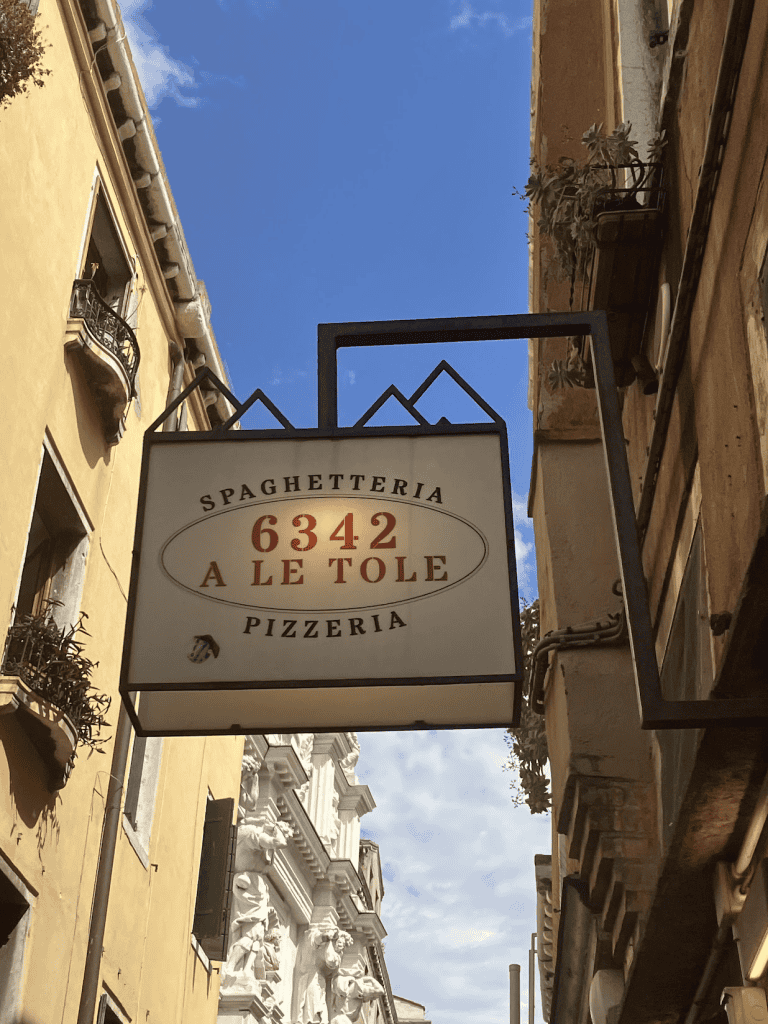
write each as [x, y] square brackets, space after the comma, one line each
[740, 870]
[718, 946]
[754, 831]
[111, 829]
[734, 43]
[564, 639]
[588, 634]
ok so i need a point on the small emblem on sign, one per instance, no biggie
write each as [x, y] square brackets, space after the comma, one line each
[203, 647]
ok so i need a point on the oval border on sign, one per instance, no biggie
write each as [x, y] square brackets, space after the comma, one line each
[326, 611]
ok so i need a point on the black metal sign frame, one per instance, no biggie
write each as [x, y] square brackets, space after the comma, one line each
[154, 437]
[655, 711]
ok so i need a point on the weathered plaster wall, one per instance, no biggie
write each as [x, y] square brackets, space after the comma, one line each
[54, 140]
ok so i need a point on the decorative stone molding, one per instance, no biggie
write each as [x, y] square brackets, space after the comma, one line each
[50, 730]
[284, 762]
[285, 872]
[610, 835]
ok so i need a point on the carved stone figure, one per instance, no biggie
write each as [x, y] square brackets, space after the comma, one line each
[249, 781]
[350, 992]
[317, 961]
[349, 763]
[304, 751]
[252, 917]
[331, 835]
[272, 952]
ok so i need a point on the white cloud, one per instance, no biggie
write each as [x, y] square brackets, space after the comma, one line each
[468, 17]
[457, 861]
[161, 74]
[525, 552]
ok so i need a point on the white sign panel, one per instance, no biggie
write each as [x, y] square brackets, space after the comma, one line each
[311, 582]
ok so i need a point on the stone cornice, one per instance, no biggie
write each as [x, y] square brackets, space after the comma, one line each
[189, 316]
[355, 798]
[363, 924]
[285, 763]
[306, 839]
[343, 875]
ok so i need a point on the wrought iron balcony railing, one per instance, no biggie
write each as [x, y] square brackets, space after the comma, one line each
[635, 186]
[109, 330]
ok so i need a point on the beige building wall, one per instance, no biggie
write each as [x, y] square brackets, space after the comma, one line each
[59, 144]
[642, 817]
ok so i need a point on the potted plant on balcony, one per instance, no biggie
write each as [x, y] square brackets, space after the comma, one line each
[580, 205]
[59, 706]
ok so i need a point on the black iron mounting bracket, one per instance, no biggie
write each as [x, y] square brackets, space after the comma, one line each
[655, 711]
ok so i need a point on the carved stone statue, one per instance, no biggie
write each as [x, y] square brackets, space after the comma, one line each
[249, 781]
[272, 953]
[252, 916]
[349, 763]
[331, 835]
[305, 742]
[318, 960]
[350, 992]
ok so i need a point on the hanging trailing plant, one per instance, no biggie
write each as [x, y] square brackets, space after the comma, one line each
[50, 661]
[528, 753]
[569, 197]
[21, 51]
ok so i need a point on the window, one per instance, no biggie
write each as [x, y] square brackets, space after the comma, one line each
[211, 923]
[57, 545]
[15, 911]
[109, 1013]
[99, 333]
[140, 793]
[105, 261]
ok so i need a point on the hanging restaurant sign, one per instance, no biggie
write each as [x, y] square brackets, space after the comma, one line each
[310, 581]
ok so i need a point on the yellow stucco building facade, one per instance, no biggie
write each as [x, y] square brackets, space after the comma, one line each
[102, 320]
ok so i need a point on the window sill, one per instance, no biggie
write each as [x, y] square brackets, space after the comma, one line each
[201, 954]
[135, 840]
[50, 730]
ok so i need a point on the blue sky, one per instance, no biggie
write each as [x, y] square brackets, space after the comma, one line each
[342, 160]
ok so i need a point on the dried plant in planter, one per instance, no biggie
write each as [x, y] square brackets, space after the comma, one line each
[528, 754]
[21, 51]
[570, 196]
[49, 660]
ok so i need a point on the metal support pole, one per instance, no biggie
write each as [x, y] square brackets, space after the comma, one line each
[532, 978]
[514, 994]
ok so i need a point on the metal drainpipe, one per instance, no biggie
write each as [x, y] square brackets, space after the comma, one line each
[514, 994]
[734, 42]
[111, 828]
[177, 378]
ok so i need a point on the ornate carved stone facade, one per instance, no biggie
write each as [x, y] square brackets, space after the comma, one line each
[305, 935]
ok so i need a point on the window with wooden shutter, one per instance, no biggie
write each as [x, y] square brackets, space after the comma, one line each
[686, 674]
[211, 923]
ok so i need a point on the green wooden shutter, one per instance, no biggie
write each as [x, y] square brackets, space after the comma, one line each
[211, 923]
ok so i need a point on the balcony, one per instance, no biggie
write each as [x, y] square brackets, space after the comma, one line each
[107, 350]
[624, 265]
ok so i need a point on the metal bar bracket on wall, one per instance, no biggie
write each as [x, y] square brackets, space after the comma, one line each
[655, 711]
